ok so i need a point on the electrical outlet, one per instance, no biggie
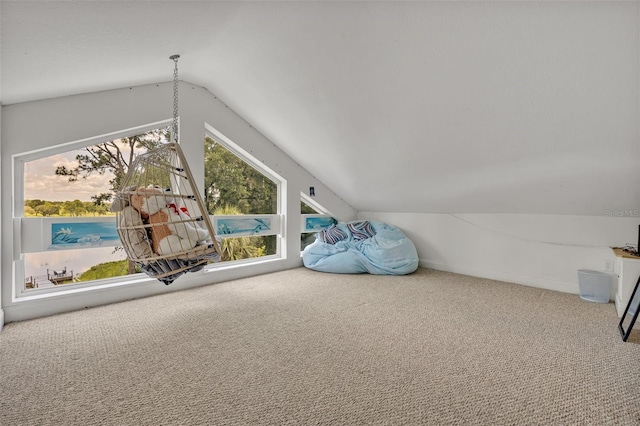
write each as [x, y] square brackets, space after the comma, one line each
[608, 266]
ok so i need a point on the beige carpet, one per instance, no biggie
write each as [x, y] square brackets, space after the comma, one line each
[306, 348]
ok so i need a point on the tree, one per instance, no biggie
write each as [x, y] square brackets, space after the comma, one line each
[29, 211]
[230, 181]
[113, 156]
[305, 209]
[95, 209]
[33, 203]
[47, 209]
[72, 208]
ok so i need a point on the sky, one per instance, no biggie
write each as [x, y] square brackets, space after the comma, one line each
[41, 182]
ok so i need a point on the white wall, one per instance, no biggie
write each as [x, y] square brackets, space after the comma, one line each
[36, 125]
[468, 106]
[537, 211]
[536, 250]
[1, 310]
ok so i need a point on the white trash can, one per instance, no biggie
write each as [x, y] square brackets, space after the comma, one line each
[595, 286]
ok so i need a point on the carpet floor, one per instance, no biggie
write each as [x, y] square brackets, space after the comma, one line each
[300, 347]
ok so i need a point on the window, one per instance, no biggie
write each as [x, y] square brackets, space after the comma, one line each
[64, 205]
[313, 220]
[306, 238]
[244, 198]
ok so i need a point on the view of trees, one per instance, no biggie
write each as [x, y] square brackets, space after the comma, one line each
[64, 208]
[113, 156]
[232, 187]
[231, 182]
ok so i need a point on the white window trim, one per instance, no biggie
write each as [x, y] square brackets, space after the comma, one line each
[281, 184]
[18, 292]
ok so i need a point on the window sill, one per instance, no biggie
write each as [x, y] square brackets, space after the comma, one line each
[138, 279]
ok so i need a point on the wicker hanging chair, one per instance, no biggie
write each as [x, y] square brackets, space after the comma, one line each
[160, 217]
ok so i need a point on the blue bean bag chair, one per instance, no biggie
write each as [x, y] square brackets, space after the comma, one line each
[361, 247]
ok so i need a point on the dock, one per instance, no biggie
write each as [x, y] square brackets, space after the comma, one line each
[52, 279]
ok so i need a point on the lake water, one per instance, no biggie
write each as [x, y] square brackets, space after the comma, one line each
[78, 261]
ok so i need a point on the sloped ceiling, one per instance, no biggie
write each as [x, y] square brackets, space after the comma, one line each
[466, 107]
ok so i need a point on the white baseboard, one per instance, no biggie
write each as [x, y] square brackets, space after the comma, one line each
[530, 281]
[1, 319]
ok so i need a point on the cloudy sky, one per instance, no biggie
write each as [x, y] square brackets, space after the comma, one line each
[41, 182]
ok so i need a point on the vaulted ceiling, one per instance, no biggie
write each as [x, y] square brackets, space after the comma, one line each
[467, 107]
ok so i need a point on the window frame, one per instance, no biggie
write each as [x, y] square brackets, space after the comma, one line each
[20, 221]
[279, 218]
[324, 215]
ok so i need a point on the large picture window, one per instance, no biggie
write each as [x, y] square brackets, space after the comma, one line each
[65, 186]
[66, 229]
[244, 199]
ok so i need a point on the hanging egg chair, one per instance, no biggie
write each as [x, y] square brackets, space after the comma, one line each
[160, 216]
